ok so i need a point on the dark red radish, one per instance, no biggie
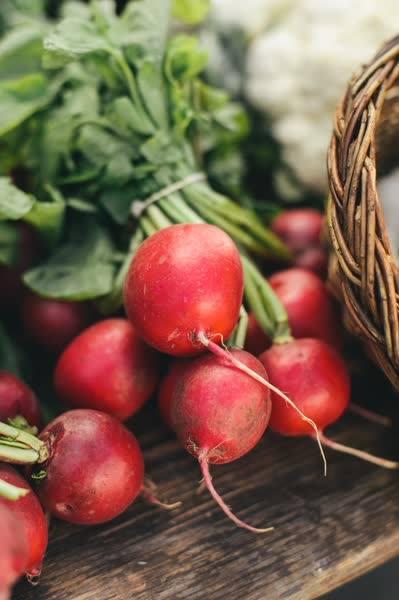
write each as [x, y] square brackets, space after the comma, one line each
[167, 388]
[301, 230]
[14, 553]
[52, 323]
[185, 280]
[256, 340]
[310, 307]
[220, 413]
[16, 398]
[30, 515]
[313, 259]
[95, 468]
[10, 277]
[109, 368]
[316, 379]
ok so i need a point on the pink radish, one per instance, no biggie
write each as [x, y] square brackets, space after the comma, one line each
[310, 307]
[220, 413]
[52, 323]
[316, 379]
[184, 280]
[30, 515]
[16, 398]
[13, 551]
[109, 368]
[301, 231]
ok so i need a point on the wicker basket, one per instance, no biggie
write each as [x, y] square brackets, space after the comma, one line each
[363, 272]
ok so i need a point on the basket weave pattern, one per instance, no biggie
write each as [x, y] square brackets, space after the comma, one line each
[363, 271]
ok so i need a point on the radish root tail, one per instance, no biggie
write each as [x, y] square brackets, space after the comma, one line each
[370, 415]
[226, 355]
[375, 460]
[203, 461]
[149, 494]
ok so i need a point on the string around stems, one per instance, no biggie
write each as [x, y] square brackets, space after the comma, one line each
[226, 355]
[203, 462]
[362, 454]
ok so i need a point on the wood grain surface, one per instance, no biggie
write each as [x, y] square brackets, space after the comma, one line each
[327, 530]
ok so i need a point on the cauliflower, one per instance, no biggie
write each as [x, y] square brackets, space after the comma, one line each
[299, 62]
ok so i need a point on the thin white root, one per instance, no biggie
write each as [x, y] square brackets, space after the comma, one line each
[376, 460]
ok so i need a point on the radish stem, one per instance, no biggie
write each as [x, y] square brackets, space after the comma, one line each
[11, 492]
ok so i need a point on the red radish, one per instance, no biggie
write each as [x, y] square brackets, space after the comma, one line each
[301, 231]
[313, 259]
[256, 340]
[13, 551]
[30, 515]
[316, 379]
[16, 398]
[10, 277]
[184, 280]
[310, 307]
[52, 323]
[220, 413]
[95, 469]
[167, 388]
[299, 228]
[109, 368]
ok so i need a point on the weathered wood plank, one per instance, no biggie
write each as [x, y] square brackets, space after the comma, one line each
[328, 530]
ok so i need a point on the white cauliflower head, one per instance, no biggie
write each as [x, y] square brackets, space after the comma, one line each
[299, 66]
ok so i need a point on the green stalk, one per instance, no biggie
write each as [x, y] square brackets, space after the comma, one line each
[11, 492]
[281, 332]
[19, 456]
[147, 226]
[240, 333]
[18, 435]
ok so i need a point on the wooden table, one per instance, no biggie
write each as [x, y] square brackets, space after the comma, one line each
[328, 530]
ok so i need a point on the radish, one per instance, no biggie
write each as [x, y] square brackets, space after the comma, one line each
[219, 413]
[94, 469]
[310, 307]
[10, 277]
[316, 379]
[17, 399]
[184, 280]
[301, 231]
[167, 388]
[14, 554]
[30, 515]
[109, 368]
[53, 323]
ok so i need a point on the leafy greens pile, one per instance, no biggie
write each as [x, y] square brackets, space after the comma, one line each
[107, 132]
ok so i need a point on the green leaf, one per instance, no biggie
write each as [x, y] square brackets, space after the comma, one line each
[81, 205]
[14, 204]
[99, 145]
[81, 269]
[9, 239]
[152, 90]
[21, 51]
[48, 217]
[191, 11]
[117, 202]
[125, 117]
[22, 98]
[72, 39]
[161, 150]
[119, 170]
[185, 59]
